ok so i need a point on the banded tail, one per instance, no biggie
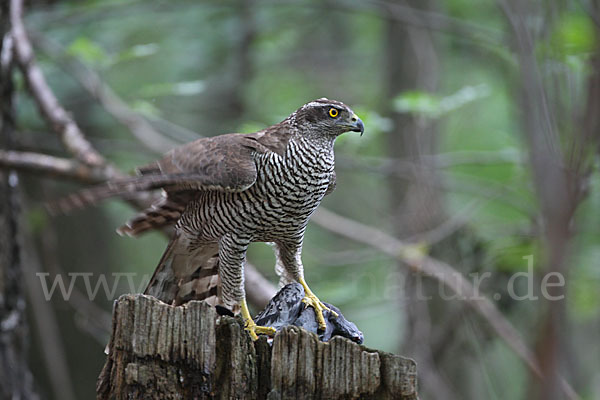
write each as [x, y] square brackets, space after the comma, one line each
[163, 213]
[182, 275]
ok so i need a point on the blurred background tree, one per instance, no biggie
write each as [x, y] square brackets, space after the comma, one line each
[480, 156]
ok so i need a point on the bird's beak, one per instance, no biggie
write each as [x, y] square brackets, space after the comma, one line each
[356, 125]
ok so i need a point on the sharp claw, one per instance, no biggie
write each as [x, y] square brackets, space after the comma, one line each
[253, 329]
[311, 300]
[318, 306]
[252, 334]
[265, 330]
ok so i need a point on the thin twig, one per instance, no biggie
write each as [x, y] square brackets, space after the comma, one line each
[51, 166]
[112, 103]
[47, 326]
[56, 116]
[442, 160]
[100, 320]
[258, 289]
[403, 169]
[557, 192]
[437, 22]
[431, 267]
[448, 227]
[444, 273]
[384, 9]
[97, 169]
[178, 132]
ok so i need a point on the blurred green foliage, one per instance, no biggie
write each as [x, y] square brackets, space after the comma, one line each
[186, 62]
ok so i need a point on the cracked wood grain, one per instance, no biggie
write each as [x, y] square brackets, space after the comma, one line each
[158, 351]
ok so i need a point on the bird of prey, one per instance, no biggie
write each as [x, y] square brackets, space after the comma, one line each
[224, 192]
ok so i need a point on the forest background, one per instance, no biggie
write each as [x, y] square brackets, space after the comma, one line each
[465, 228]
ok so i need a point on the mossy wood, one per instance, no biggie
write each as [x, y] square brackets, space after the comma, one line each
[159, 351]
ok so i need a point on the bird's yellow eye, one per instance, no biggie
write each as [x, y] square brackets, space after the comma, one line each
[333, 112]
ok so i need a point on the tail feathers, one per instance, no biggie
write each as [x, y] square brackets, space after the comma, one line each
[81, 199]
[163, 284]
[161, 214]
[125, 187]
[203, 284]
[182, 276]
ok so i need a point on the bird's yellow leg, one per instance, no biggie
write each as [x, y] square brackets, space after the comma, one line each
[253, 329]
[312, 300]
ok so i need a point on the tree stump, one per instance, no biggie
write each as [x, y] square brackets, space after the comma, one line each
[158, 351]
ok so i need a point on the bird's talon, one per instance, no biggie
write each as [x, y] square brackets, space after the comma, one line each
[319, 307]
[265, 330]
[255, 330]
[311, 300]
[252, 333]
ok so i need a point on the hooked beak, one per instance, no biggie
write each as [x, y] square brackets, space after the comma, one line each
[356, 124]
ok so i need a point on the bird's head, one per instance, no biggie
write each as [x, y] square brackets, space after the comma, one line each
[329, 117]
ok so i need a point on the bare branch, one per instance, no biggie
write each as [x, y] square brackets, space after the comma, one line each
[258, 289]
[558, 189]
[93, 167]
[114, 105]
[437, 22]
[448, 227]
[441, 160]
[56, 116]
[51, 166]
[428, 266]
[178, 132]
[99, 319]
[47, 326]
[406, 170]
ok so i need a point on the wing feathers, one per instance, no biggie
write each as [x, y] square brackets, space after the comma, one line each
[129, 186]
[223, 163]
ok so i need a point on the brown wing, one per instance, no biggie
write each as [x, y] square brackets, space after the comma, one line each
[163, 213]
[226, 160]
[223, 162]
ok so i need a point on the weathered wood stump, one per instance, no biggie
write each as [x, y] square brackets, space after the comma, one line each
[159, 351]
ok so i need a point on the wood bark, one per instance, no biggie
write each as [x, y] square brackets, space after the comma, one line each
[158, 351]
